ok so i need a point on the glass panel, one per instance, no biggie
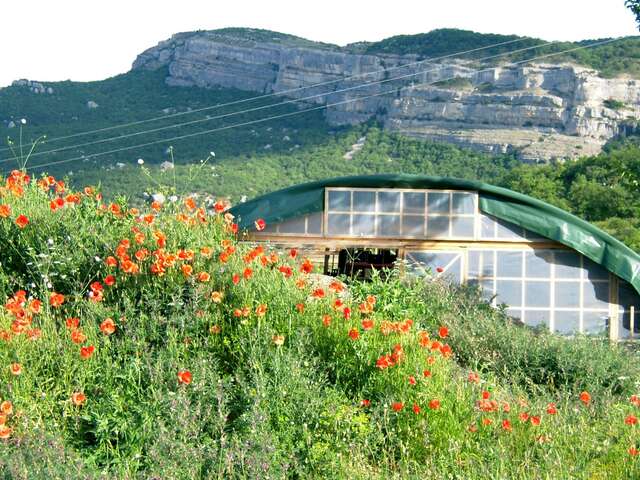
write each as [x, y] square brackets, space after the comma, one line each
[537, 294]
[413, 202]
[339, 201]
[364, 201]
[473, 267]
[363, 225]
[509, 231]
[293, 225]
[432, 261]
[537, 318]
[462, 227]
[509, 264]
[339, 224]
[538, 264]
[595, 323]
[594, 271]
[437, 227]
[413, 226]
[515, 313]
[389, 202]
[567, 294]
[595, 295]
[487, 289]
[463, 203]
[567, 265]
[314, 223]
[438, 202]
[488, 227]
[509, 292]
[388, 226]
[567, 321]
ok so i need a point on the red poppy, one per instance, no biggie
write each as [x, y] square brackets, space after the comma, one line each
[300, 307]
[416, 408]
[412, 380]
[473, 377]
[260, 224]
[551, 409]
[426, 373]
[293, 253]
[434, 404]
[326, 320]
[22, 221]
[86, 352]
[524, 417]
[367, 324]
[397, 406]
[365, 403]
[184, 377]
[485, 395]
[235, 278]
[354, 334]
[631, 420]
[506, 425]
[535, 420]
[633, 451]
[443, 332]
[110, 280]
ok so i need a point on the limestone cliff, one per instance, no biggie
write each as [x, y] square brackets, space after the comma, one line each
[540, 111]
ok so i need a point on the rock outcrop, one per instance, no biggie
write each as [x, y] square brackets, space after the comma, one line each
[540, 111]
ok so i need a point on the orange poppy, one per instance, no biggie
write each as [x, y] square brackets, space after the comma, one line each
[585, 398]
[78, 398]
[16, 368]
[354, 334]
[108, 326]
[5, 432]
[367, 324]
[434, 404]
[204, 277]
[6, 407]
[56, 299]
[5, 211]
[631, 420]
[261, 310]
[278, 340]
[78, 337]
[216, 297]
[326, 320]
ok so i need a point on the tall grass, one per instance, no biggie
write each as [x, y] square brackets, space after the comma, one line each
[228, 361]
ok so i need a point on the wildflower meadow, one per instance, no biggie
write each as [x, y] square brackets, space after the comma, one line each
[154, 342]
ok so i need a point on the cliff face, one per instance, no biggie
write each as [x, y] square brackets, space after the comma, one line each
[542, 111]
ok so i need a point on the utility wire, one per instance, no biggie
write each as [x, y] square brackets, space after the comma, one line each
[283, 92]
[262, 120]
[264, 107]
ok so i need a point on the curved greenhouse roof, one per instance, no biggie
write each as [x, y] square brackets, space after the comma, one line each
[524, 211]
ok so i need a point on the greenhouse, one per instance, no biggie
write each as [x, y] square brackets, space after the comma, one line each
[545, 266]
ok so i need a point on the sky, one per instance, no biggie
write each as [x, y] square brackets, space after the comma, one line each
[92, 40]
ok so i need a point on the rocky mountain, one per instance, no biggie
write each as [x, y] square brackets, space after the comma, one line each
[540, 111]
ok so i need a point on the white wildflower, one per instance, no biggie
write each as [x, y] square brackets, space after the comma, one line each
[140, 161]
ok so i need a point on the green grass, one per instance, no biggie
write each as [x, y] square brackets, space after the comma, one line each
[255, 408]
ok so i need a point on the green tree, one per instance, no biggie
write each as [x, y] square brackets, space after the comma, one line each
[634, 6]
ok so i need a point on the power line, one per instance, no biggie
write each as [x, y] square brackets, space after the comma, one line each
[263, 107]
[283, 92]
[262, 120]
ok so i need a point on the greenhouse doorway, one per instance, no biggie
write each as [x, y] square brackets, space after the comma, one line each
[360, 263]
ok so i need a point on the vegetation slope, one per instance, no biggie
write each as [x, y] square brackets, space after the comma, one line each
[152, 344]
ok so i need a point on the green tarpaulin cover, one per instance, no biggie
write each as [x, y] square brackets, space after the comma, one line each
[527, 212]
